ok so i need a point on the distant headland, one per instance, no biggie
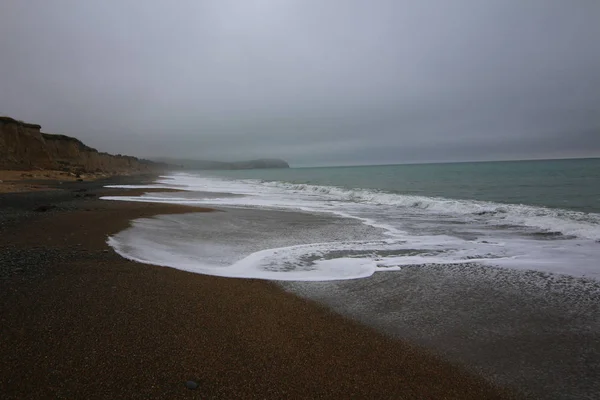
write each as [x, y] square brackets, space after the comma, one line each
[262, 163]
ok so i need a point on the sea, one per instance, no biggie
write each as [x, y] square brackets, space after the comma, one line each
[526, 215]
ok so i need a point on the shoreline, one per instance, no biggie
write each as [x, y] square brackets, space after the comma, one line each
[18, 181]
[79, 320]
[535, 332]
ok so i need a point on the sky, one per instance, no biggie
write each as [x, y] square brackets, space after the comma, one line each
[315, 82]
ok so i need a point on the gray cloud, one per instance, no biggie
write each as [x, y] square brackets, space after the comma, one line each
[312, 81]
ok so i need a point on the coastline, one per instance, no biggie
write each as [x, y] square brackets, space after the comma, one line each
[80, 321]
[16, 181]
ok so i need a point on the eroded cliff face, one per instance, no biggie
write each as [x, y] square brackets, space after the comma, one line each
[24, 147]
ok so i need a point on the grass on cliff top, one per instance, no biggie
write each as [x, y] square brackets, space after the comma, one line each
[9, 120]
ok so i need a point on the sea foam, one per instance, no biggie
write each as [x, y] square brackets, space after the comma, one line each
[419, 230]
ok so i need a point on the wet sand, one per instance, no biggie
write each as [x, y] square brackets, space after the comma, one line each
[536, 332]
[79, 321]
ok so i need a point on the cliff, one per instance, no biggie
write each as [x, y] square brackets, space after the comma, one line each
[24, 147]
[215, 165]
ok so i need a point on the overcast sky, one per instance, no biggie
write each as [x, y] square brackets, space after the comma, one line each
[316, 82]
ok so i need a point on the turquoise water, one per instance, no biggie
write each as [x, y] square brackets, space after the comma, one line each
[566, 184]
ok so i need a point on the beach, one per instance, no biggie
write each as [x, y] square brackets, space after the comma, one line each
[532, 326]
[300, 200]
[79, 321]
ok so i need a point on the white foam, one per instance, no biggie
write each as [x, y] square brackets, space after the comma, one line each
[439, 231]
[270, 264]
[320, 198]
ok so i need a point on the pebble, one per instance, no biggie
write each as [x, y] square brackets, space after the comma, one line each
[44, 208]
[191, 385]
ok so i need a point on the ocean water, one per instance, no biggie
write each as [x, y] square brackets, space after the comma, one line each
[526, 215]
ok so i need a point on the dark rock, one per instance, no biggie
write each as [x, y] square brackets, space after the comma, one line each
[191, 385]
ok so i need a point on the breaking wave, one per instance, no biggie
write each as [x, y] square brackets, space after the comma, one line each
[570, 223]
[420, 230]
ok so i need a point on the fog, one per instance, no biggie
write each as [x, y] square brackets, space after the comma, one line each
[315, 82]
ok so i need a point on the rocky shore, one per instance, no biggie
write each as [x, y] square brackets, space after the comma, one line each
[78, 321]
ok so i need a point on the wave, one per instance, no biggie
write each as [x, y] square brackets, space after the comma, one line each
[567, 222]
[417, 230]
[309, 197]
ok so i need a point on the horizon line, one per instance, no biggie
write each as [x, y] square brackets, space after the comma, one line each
[448, 162]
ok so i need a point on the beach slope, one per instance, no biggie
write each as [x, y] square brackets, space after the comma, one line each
[79, 321]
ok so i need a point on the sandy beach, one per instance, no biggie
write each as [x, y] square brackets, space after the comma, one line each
[41, 179]
[79, 321]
